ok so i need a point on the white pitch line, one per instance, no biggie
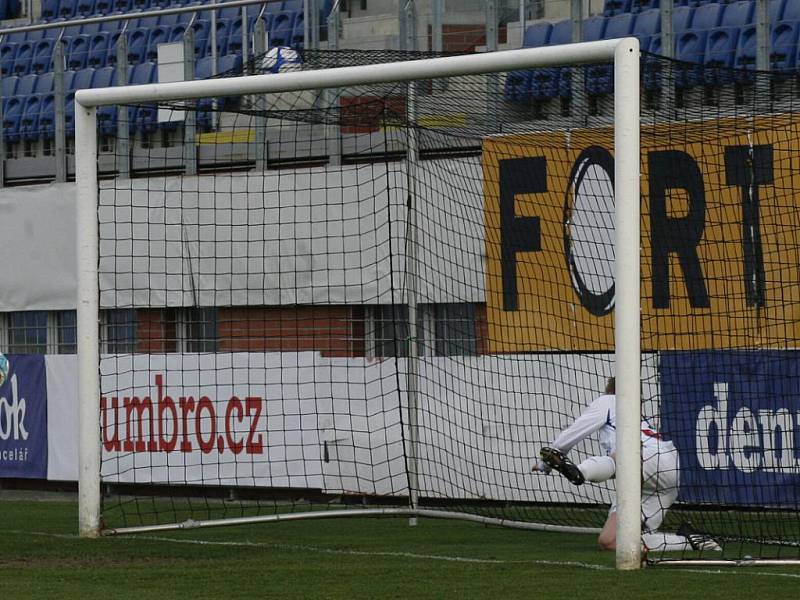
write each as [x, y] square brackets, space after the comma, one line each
[414, 555]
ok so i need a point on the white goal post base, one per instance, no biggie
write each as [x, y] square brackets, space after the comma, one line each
[625, 55]
[354, 512]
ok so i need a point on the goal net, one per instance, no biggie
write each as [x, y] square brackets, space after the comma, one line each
[386, 298]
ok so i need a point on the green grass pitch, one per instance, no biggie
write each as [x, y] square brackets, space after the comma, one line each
[41, 557]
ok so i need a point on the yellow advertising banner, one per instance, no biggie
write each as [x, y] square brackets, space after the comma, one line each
[720, 244]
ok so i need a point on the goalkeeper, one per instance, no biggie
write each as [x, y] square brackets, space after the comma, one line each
[660, 475]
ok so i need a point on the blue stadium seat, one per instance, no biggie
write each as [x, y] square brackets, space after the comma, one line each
[122, 6]
[27, 84]
[66, 9]
[137, 45]
[103, 7]
[616, 7]
[518, 83]
[235, 37]
[272, 7]
[643, 5]
[29, 123]
[9, 86]
[167, 21]
[783, 46]
[112, 26]
[299, 33]
[78, 52]
[738, 14]
[15, 38]
[690, 47]
[12, 115]
[68, 77]
[594, 28]
[722, 43]
[552, 82]
[104, 77]
[98, 50]
[230, 13]
[47, 117]
[230, 63]
[789, 11]
[600, 78]
[620, 26]
[142, 4]
[146, 116]
[719, 55]
[39, 34]
[50, 9]
[708, 16]
[55, 33]
[648, 24]
[22, 61]
[143, 23]
[44, 83]
[223, 33]
[85, 8]
[8, 54]
[90, 29]
[159, 35]
[42, 56]
[648, 31]
[143, 73]
[107, 115]
[201, 29]
[81, 80]
[203, 68]
[280, 34]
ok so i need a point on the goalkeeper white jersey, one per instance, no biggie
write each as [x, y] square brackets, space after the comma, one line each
[600, 416]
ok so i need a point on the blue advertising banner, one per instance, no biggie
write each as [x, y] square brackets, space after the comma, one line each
[734, 417]
[23, 416]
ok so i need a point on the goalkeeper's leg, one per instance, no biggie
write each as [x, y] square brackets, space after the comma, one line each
[594, 468]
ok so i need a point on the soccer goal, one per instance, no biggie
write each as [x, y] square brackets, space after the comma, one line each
[355, 326]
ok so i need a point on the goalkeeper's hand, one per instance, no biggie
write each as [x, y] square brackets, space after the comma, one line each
[541, 467]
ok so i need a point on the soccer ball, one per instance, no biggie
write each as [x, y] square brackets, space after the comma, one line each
[281, 59]
[3, 369]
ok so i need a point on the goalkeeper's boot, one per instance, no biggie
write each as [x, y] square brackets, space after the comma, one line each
[699, 540]
[558, 461]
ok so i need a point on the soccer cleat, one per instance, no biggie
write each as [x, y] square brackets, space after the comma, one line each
[699, 540]
[558, 461]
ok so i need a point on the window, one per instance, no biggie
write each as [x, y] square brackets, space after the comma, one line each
[447, 329]
[454, 325]
[390, 330]
[201, 330]
[120, 331]
[66, 332]
[27, 332]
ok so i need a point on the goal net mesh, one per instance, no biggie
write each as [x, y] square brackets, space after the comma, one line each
[373, 296]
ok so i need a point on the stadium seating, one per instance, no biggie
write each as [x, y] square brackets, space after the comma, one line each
[282, 28]
[722, 41]
[26, 60]
[546, 83]
[518, 83]
[616, 7]
[783, 47]
[600, 78]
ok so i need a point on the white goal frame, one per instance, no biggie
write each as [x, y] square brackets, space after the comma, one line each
[625, 55]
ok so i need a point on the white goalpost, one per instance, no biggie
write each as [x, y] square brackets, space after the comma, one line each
[624, 53]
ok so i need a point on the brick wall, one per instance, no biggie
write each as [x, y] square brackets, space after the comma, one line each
[330, 330]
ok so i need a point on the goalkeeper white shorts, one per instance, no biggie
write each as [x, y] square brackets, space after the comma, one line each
[660, 482]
